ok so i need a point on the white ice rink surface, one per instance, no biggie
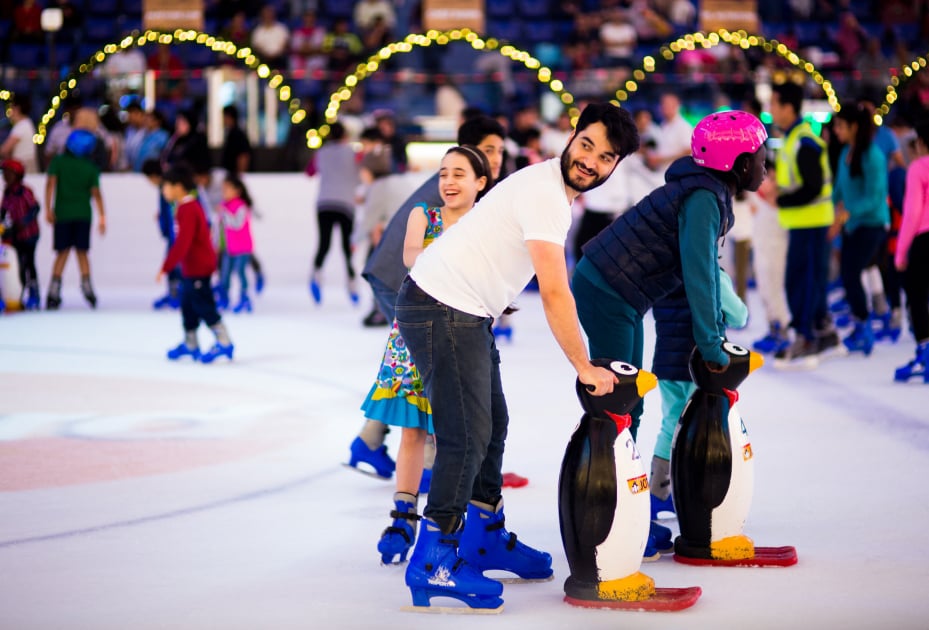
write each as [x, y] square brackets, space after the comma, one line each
[136, 493]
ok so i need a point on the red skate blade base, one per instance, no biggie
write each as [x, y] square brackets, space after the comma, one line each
[764, 557]
[664, 600]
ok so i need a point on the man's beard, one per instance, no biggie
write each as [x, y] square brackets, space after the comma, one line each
[566, 164]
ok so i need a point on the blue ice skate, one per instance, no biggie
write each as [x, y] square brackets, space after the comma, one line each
[918, 367]
[661, 537]
[183, 350]
[166, 301]
[861, 338]
[887, 326]
[775, 340]
[436, 570]
[398, 538]
[244, 305]
[487, 546]
[315, 289]
[33, 302]
[377, 458]
[661, 505]
[259, 283]
[218, 350]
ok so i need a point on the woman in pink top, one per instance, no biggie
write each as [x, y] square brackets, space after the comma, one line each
[235, 215]
[912, 257]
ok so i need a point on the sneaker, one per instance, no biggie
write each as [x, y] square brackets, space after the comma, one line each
[801, 352]
[218, 350]
[828, 344]
[918, 367]
[183, 350]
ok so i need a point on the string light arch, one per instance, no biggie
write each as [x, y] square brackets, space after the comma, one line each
[544, 74]
[242, 55]
[907, 72]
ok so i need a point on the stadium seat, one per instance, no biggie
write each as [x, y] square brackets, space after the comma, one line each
[535, 8]
[31, 56]
[506, 30]
[501, 9]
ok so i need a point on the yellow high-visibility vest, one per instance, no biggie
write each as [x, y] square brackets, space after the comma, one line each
[818, 213]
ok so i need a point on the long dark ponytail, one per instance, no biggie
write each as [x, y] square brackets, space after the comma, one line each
[856, 113]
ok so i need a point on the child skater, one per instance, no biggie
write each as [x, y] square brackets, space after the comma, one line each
[19, 213]
[194, 251]
[912, 256]
[236, 218]
[397, 396]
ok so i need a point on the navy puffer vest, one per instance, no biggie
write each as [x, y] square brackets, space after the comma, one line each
[638, 254]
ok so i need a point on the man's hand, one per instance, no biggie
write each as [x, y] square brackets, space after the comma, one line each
[160, 276]
[102, 225]
[601, 379]
[50, 215]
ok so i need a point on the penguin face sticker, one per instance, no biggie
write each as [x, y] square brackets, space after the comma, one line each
[741, 362]
[632, 385]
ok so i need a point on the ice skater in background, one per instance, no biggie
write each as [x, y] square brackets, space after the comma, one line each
[235, 216]
[193, 250]
[912, 257]
[19, 213]
[153, 172]
[397, 396]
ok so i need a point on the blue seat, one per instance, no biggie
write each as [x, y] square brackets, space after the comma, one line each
[197, 56]
[501, 9]
[809, 33]
[336, 9]
[535, 8]
[109, 8]
[505, 30]
[539, 31]
[27, 55]
[101, 29]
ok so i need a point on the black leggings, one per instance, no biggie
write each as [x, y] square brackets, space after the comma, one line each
[916, 284]
[327, 219]
[25, 254]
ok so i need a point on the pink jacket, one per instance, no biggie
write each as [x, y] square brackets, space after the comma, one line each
[237, 223]
[915, 208]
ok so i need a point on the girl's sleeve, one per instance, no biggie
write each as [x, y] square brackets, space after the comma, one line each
[699, 229]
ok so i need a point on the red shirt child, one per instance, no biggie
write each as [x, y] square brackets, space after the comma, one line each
[193, 247]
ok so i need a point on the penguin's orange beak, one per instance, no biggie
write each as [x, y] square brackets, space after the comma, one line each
[645, 382]
[755, 361]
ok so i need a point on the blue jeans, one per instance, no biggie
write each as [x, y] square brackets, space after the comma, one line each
[460, 366]
[233, 265]
[859, 249]
[614, 329]
[806, 277]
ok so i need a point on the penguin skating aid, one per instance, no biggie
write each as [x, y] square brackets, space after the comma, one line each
[712, 470]
[604, 505]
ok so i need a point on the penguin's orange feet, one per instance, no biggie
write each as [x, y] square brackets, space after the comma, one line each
[632, 588]
[733, 548]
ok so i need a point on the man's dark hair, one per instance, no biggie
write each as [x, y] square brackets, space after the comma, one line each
[474, 130]
[232, 111]
[336, 131]
[152, 167]
[620, 127]
[789, 93]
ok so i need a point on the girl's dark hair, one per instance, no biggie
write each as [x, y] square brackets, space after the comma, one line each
[180, 174]
[922, 132]
[479, 163]
[239, 185]
[856, 113]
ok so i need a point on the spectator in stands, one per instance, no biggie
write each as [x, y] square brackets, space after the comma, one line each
[18, 145]
[650, 26]
[124, 71]
[674, 140]
[187, 145]
[850, 40]
[582, 48]
[387, 124]
[236, 29]
[271, 38]
[154, 139]
[306, 44]
[367, 12]
[555, 137]
[343, 47]
[376, 37]
[132, 138]
[874, 66]
[170, 81]
[618, 38]
[237, 150]
[27, 23]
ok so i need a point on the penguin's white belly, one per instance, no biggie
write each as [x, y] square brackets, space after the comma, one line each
[728, 519]
[621, 553]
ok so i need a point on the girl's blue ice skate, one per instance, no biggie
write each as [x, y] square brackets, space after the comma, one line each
[218, 350]
[377, 458]
[183, 350]
[398, 538]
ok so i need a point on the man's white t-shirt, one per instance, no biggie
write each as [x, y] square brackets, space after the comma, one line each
[480, 264]
[674, 140]
[24, 150]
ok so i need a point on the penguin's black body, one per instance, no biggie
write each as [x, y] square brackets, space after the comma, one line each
[602, 490]
[712, 470]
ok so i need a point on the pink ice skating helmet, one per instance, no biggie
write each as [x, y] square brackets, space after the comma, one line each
[720, 138]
